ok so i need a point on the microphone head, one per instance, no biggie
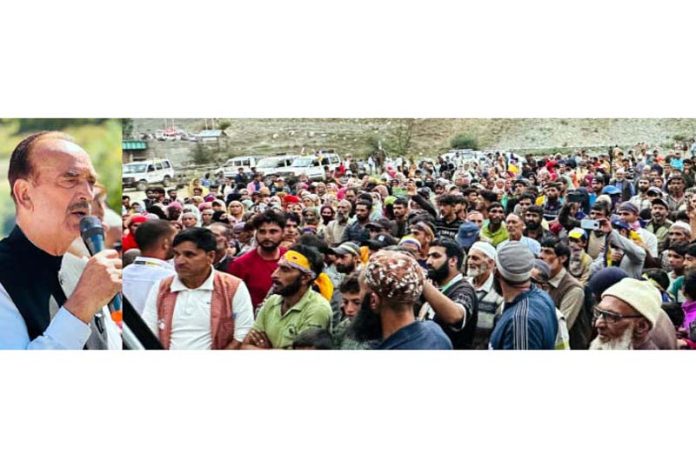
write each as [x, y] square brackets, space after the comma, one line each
[90, 226]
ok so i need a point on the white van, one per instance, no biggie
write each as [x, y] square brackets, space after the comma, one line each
[231, 166]
[313, 166]
[273, 165]
[142, 174]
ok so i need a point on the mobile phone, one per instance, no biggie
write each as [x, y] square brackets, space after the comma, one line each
[591, 224]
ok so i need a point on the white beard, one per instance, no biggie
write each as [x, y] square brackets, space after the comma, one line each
[622, 343]
[474, 272]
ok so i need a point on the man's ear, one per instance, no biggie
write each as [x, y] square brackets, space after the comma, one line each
[641, 330]
[374, 301]
[211, 256]
[22, 193]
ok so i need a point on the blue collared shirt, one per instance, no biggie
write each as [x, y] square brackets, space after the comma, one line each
[64, 332]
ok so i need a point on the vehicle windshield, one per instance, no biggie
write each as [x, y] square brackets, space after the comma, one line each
[302, 162]
[134, 168]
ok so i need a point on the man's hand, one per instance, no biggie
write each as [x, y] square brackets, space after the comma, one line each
[258, 339]
[99, 283]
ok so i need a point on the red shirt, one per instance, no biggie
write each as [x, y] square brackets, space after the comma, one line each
[256, 273]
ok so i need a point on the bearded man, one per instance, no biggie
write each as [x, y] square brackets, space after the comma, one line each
[626, 314]
[480, 273]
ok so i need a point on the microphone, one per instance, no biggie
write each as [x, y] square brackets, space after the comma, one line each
[92, 233]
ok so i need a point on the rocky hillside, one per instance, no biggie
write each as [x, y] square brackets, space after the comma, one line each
[429, 137]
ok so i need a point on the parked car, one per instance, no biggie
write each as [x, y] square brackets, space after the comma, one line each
[312, 166]
[273, 165]
[142, 174]
[231, 167]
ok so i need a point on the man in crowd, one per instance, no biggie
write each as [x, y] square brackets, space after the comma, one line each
[480, 272]
[534, 224]
[447, 225]
[452, 304]
[495, 231]
[628, 212]
[294, 306]
[553, 203]
[676, 187]
[515, 228]
[393, 283]
[567, 293]
[659, 223]
[401, 217]
[223, 236]
[335, 228]
[623, 319]
[155, 240]
[357, 230]
[256, 266]
[347, 258]
[579, 263]
[199, 307]
[529, 318]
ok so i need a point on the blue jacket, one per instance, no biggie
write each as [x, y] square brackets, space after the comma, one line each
[528, 322]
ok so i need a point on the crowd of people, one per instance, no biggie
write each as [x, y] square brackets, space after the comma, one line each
[562, 251]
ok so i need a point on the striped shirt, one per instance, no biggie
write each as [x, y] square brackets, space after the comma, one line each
[528, 322]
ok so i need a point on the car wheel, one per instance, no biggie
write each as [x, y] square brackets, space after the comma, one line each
[141, 186]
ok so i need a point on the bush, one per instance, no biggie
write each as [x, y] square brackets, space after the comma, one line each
[464, 141]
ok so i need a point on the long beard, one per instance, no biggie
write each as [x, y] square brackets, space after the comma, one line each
[475, 272]
[532, 225]
[622, 343]
[366, 325]
[341, 218]
[345, 268]
[439, 274]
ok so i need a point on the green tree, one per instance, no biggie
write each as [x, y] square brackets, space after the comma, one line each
[201, 154]
[464, 141]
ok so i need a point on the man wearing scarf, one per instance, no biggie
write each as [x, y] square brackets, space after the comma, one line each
[44, 302]
[294, 305]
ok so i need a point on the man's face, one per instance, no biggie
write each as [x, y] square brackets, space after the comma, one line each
[576, 245]
[446, 210]
[269, 236]
[150, 194]
[477, 264]
[351, 302]
[286, 280]
[596, 214]
[514, 226]
[438, 264]
[676, 261]
[400, 210]
[221, 241]
[643, 185]
[552, 193]
[62, 187]
[614, 331]
[519, 188]
[172, 195]
[689, 263]
[628, 217]
[524, 205]
[188, 220]
[496, 215]
[597, 185]
[476, 218]
[677, 236]
[345, 263]
[659, 213]
[361, 212]
[125, 201]
[350, 196]
[343, 210]
[190, 261]
[675, 186]
[548, 255]
[473, 198]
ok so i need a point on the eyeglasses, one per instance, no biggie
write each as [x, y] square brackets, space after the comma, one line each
[611, 317]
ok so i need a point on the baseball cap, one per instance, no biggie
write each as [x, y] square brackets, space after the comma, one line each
[577, 233]
[468, 232]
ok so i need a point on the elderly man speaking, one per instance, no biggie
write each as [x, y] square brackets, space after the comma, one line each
[43, 306]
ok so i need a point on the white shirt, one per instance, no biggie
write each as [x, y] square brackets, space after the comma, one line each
[191, 320]
[140, 276]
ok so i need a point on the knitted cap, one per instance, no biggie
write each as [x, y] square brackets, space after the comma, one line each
[641, 295]
[395, 276]
[515, 261]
